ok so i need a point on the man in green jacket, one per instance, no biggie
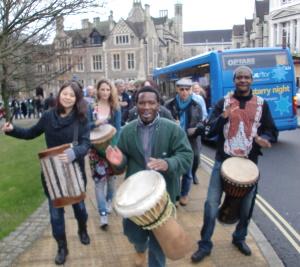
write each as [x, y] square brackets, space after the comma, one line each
[151, 143]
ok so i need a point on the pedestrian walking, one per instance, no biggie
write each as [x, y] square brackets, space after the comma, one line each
[150, 143]
[104, 111]
[59, 125]
[243, 124]
[188, 114]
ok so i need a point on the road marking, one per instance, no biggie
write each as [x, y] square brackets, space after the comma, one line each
[284, 222]
[259, 202]
[283, 231]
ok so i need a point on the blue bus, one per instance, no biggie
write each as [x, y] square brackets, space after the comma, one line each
[273, 74]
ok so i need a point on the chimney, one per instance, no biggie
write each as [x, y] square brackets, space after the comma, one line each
[147, 11]
[111, 21]
[85, 23]
[59, 25]
[96, 22]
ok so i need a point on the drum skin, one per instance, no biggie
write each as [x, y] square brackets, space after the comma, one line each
[142, 197]
[103, 136]
[239, 175]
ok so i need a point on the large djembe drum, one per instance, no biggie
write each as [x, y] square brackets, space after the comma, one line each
[64, 181]
[239, 176]
[143, 198]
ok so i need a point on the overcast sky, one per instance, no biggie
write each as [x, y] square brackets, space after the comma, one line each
[198, 15]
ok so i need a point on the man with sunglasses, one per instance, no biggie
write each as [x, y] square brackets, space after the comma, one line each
[244, 124]
[188, 114]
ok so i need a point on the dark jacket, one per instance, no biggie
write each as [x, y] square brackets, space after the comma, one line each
[49, 102]
[267, 128]
[194, 119]
[58, 131]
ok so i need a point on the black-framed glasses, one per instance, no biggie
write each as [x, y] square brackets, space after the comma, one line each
[186, 89]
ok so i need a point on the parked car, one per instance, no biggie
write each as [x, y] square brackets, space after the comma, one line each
[298, 97]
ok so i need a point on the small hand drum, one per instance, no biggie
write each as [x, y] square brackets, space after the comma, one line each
[103, 136]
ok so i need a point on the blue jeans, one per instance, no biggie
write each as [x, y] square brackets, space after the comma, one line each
[186, 183]
[142, 239]
[57, 217]
[100, 194]
[211, 207]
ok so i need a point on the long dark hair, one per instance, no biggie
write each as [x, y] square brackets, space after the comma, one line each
[79, 106]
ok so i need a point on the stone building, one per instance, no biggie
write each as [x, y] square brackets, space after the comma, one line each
[198, 42]
[128, 49]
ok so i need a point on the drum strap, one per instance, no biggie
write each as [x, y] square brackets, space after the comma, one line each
[75, 134]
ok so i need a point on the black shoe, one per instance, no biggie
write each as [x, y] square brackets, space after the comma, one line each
[199, 255]
[242, 246]
[195, 179]
[82, 232]
[62, 251]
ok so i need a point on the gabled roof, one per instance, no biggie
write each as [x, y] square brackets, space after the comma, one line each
[102, 30]
[137, 28]
[285, 13]
[159, 21]
[213, 36]
[238, 30]
[262, 9]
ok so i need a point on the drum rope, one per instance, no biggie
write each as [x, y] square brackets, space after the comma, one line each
[157, 216]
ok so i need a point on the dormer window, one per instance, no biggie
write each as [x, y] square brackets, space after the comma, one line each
[95, 37]
[78, 41]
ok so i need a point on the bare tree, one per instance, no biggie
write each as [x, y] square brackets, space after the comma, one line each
[24, 26]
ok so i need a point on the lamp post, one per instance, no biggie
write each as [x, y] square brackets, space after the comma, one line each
[146, 56]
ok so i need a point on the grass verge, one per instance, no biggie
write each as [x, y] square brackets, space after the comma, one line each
[21, 191]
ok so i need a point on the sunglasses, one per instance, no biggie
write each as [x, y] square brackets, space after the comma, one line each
[186, 89]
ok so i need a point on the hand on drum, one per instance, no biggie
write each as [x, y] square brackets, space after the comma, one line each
[7, 127]
[228, 110]
[158, 164]
[114, 155]
[262, 142]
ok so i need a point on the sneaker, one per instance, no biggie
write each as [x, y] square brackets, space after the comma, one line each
[103, 221]
[109, 207]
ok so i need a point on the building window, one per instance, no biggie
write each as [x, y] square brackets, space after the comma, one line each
[95, 37]
[287, 1]
[47, 67]
[63, 64]
[63, 44]
[238, 45]
[81, 82]
[130, 61]
[97, 62]
[79, 62]
[122, 39]
[116, 61]
[60, 83]
[284, 34]
[40, 69]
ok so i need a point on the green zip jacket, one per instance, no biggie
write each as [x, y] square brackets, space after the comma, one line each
[169, 143]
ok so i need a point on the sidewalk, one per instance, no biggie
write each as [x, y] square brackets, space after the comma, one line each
[33, 245]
